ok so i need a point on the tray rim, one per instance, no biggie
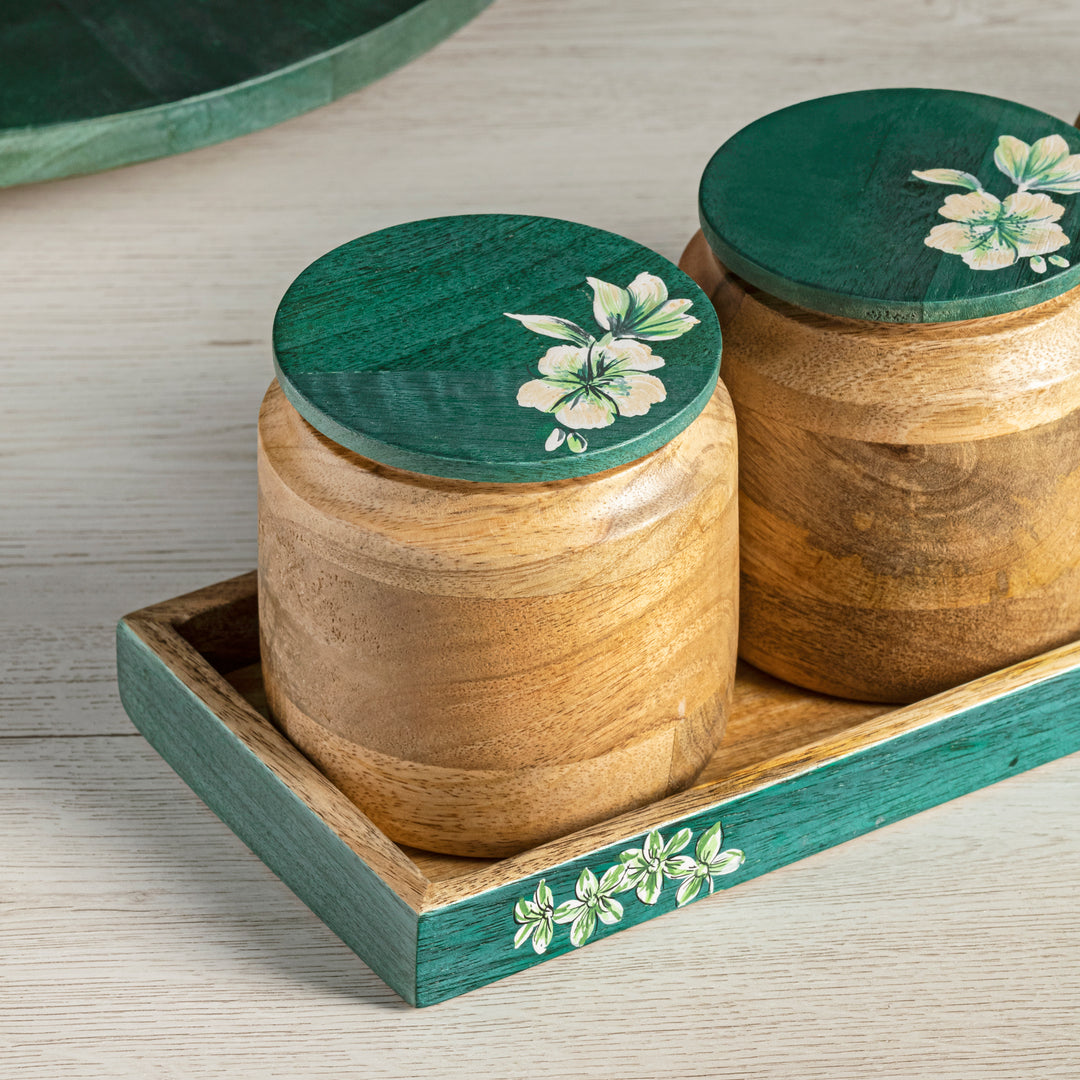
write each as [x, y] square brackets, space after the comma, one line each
[157, 627]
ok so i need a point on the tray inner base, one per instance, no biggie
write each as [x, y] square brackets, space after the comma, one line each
[769, 717]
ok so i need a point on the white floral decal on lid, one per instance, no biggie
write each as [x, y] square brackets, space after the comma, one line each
[591, 381]
[991, 233]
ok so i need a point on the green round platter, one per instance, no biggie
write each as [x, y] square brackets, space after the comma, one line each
[497, 348]
[899, 205]
[93, 84]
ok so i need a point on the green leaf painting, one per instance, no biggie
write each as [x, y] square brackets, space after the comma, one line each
[592, 381]
[641, 870]
[989, 233]
[550, 326]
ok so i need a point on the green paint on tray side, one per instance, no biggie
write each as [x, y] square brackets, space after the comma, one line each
[276, 825]
[91, 86]
[817, 205]
[398, 346]
[470, 943]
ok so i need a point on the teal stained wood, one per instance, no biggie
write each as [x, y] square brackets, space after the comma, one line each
[447, 950]
[497, 347]
[91, 84]
[471, 943]
[274, 823]
[818, 204]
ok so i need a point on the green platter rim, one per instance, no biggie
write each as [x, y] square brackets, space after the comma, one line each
[36, 151]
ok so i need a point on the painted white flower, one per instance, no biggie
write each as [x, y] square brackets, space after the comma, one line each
[709, 862]
[594, 901]
[645, 868]
[589, 386]
[589, 382]
[534, 918]
[989, 233]
[642, 310]
[1046, 165]
[642, 869]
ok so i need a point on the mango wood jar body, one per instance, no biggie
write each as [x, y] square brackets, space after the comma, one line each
[484, 667]
[909, 493]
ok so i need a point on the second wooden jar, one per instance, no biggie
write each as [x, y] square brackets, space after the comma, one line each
[895, 282]
[497, 529]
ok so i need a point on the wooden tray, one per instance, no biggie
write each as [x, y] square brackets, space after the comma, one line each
[91, 86]
[797, 773]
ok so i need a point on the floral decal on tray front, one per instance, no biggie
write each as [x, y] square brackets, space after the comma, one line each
[991, 233]
[642, 870]
[592, 381]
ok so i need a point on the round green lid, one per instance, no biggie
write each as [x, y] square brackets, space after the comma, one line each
[899, 205]
[497, 347]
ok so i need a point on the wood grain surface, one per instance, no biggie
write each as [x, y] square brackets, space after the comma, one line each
[434, 932]
[401, 346]
[89, 86]
[908, 493]
[853, 222]
[138, 937]
[484, 667]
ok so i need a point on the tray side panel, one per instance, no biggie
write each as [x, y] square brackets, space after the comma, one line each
[276, 825]
[470, 943]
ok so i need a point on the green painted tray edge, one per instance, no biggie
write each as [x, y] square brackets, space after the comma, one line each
[448, 950]
[470, 943]
[30, 155]
[295, 843]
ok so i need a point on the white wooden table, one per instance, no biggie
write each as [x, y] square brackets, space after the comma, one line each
[138, 937]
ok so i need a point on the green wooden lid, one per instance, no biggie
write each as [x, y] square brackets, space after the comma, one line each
[899, 205]
[497, 347]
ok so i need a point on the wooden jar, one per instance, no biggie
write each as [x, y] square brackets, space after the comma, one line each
[906, 390]
[487, 643]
